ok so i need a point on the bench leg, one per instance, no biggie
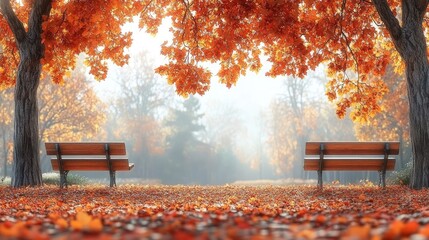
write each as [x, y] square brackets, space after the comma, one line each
[63, 178]
[383, 176]
[112, 178]
[382, 181]
[379, 178]
[319, 179]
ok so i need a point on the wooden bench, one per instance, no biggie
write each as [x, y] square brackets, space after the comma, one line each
[350, 156]
[88, 156]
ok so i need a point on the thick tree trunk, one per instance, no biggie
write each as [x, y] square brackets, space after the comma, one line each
[413, 50]
[26, 159]
[418, 95]
[410, 41]
[26, 164]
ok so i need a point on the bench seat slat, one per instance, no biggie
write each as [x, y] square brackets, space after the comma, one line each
[349, 164]
[92, 164]
[351, 148]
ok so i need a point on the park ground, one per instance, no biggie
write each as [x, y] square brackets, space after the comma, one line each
[214, 212]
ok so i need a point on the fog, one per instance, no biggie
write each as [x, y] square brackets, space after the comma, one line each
[255, 131]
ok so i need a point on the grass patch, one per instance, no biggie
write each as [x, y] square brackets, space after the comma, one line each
[402, 177]
[53, 178]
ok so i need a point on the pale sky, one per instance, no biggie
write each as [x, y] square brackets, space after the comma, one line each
[251, 95]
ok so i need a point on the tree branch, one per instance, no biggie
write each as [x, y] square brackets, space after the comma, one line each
[389, 20]
[422, 5]
[14, 23]
[40, 8]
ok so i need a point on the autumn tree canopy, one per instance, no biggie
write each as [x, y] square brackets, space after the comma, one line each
[296, 36]
[71, 28]
[46, 35]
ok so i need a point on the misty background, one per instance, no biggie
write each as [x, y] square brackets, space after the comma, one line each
[254, 131]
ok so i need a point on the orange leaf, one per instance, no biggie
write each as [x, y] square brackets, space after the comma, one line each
[62, 223]
[394, 230]
[320, 219]
[307, 234]
[84, 222]
[410, 228]
[425, 231]
[95, 226]
[76, 225]
[357, 232]
[83, 218]
[9, 229]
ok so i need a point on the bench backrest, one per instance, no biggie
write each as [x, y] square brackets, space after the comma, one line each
[351, 148]
[88, 156]
[351, 155]
[85, 148]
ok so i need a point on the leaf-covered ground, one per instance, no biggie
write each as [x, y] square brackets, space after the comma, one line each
[215, 212]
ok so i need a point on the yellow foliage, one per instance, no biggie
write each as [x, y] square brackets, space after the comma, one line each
[392, 122]
[71, 112]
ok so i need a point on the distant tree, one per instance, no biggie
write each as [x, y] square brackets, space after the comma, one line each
[293, 121]
[137, 109]
[68, 112]
[185, 152]
[298, 116]
[224, 132]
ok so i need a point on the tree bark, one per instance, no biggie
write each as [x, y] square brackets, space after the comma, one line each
[410, 42]
[418, 96]
[26, 164]
[26, 159]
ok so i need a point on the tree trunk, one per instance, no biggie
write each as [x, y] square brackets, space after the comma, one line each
[401, 164]
[26, 164]
[418, 95]
[410, 41]
[413, 50]
[26, 159]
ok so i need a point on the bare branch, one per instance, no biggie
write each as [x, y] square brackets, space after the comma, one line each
[388, 18]
[14, 23]
[62, 21]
